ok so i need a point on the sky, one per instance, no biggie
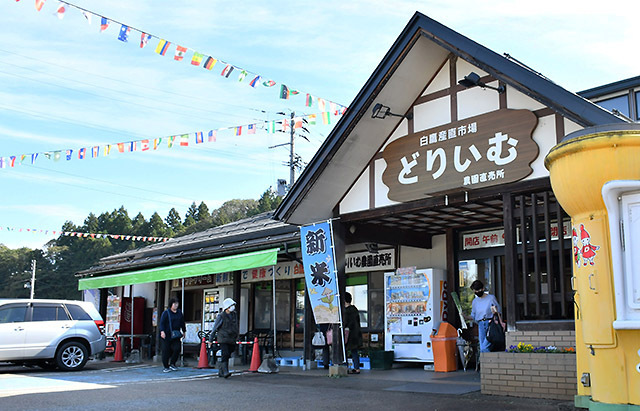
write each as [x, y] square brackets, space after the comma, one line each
[66, 85]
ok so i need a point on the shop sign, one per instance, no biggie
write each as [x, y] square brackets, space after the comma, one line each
[481, 151]
[495, 238]
[320, 272]
[208, 279]
[284, 271]
[366, 261]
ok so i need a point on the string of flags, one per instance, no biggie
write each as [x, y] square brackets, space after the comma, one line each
[180, 140]
[87, 235]
[208, 62]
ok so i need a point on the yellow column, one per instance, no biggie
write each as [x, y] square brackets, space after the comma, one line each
[579, 167]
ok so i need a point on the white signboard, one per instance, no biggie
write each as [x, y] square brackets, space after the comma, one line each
[495, 238]
[366, 261]
[284, 271]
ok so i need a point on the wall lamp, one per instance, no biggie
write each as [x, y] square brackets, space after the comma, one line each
[382, 111]
[473, 79]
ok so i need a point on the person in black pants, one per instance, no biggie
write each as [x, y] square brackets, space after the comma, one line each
[226, 326]
[171, 320]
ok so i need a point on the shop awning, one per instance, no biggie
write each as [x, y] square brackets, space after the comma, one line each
[237, 262]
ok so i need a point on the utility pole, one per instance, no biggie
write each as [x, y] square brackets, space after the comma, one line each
[33, 278]
[292, 167]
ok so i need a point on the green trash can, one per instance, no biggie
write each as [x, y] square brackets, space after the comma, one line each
[381, 360]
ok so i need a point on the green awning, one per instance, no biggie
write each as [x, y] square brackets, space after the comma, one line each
[263, 258]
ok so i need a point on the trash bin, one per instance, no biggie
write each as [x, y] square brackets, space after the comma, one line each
[444, 348]
[382, 360]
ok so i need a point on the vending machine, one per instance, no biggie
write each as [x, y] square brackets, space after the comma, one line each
[211, 308]
[415, 304]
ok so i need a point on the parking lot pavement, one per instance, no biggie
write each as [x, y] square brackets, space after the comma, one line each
[18, 380]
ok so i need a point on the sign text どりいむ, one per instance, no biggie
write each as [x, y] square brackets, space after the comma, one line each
[481, 151]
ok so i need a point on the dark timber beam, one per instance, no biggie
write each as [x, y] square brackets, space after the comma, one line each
[366, 233]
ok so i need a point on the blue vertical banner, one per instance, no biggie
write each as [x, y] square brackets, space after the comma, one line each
[318, 257]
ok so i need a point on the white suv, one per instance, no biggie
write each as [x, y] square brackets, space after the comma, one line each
[50, 333]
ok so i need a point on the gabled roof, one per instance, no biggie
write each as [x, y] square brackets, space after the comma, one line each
[617, 86]
[413, 59]
[254, 233]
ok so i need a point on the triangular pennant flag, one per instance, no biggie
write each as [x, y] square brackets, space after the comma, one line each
[170, 141]
[39, 4]
[12, 161]
[309, 100]
[284, 92]
[107, 150]
[156, 143]
[242, 75]
[34, 156]
[104, 23]
[60, 10]
[256, 80]
[22, 157]
[144, 39]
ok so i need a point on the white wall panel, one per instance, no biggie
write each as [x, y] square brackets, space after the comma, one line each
[436, 257]
[357, 199]
[432, 114]
[545, 137]
[477, 100]
[518, 100]
[440, 81]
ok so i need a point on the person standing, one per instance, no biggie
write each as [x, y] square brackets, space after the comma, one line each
[482, 313]
[226, 326]
[171, 323]
[353, 333]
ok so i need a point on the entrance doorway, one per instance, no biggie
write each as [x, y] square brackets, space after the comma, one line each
[485, 265]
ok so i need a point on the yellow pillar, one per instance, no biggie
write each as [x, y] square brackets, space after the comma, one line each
[579, 166]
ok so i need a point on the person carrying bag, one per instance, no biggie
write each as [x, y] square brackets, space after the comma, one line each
[225, 329]
[171, 322]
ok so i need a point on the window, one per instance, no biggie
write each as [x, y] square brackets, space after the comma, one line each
[638, 105]
[49, 313]
[12, 314]
[620, 103]
[376, 301]
[264, 306]
[77, 313]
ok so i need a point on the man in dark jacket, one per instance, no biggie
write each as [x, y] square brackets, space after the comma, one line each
[171, 320]
[226, 326]
[353, 332]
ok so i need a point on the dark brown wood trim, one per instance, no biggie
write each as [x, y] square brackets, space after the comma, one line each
[510, 259]
[372, 184]
[536, 251]
[451, 275]
[548, 248]
[525, 266]
[385, 235]
[455, 88]
[453, 101]
[559, 128]
[561, 262]
[543, 112]
[550, 325]
[502, 97]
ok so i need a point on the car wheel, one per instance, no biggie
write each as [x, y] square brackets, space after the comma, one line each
[47, 365]
[72, 356]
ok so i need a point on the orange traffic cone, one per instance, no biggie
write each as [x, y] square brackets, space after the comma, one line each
[204, 360]
[255, 357]
[118, 357]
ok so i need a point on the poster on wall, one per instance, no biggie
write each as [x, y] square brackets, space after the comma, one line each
[320, 274]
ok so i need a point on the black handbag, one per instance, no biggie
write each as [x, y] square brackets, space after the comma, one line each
[174, 333]
[495, 334]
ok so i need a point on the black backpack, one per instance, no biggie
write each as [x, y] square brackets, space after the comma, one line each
[495, 334]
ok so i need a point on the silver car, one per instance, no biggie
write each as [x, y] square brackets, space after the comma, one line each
[50, 333]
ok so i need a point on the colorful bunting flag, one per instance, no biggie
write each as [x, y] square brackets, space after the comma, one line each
[251, 129]
[255, 81]
[104, 23]
[226, 72]
[81, 153]
[309, 100]
[170, 141]
[199, 137]
[322, 105]
[144, 39]
[311, 118]
[212, 136]
[238, 130]
[326, 117]
[144, 145]
[297, 122]
[124, 33]
[156, 143]
[196, 59]
[242, 75]
[180, 53]
[163, 46]
[269, 83]
[284, 92]
[12, 161]
[2, 164]
[22, 157]
[107, 150]
[294, 92]
[121, 147]
[39, 4]
[34, 156]
[133, 146]
[87, 15]
[272, 127]
[60, 10]
[184, 140]
[95, 151]
[209, 63]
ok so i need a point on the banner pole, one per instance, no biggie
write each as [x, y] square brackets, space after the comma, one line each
[273, 270]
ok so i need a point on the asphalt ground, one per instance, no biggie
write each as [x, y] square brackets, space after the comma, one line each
[119, 386]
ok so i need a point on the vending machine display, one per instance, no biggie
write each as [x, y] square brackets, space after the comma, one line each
[414, 308]
[211, 308]
[113, 315]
